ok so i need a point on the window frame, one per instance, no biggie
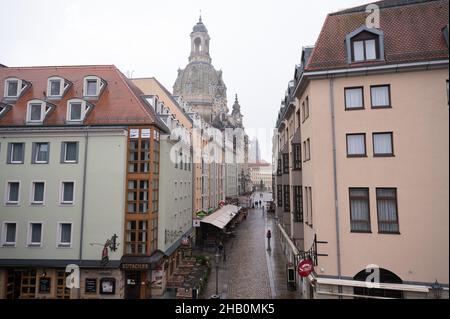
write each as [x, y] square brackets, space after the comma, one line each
[32, 193]
[8, 193]
[64, 152]
[285, 157]
[286, 198]
[21, 87]
[389, 95]
[30, 235]
[59, 243]
[11, 153]
[4, 234]
[35, 153]
[368, 221]
[392, 154]
[63, 87]
[61, 193]
[396, 210]
[362, 107]
[296, 156]
[85, 109]
[100, 84]
[365, 145]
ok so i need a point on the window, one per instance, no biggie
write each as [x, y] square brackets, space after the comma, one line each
[14, 87]
[67, 192]
[298, 204]
[287, 198]
[359, 210]
[69, 152]
[364, 50]
[285, 163]
[356, 145]
[13, 193]
[93, 86]
[9, 234]
[354, 98]
[35, 234]
[380, 96]
[37, 111]
[16, 152]
[77, 110]
[57, 86]
[37, 192]
[40, 153]
[383, 144]
[307, 150]
[279, 168]
[297, 156]
[136, 238]
[64, 235]
[279, 195]
[306, 107]
[387, 210]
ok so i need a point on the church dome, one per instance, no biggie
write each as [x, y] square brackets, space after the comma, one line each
[199, 27]
[200, 79]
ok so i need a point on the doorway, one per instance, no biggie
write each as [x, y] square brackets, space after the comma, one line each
[21, 284]
[133, 285]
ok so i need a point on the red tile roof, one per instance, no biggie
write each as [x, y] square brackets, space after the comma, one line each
[412, 30]
[119, 103]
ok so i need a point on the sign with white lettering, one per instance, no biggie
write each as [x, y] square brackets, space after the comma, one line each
[134, 133]
[145, 133]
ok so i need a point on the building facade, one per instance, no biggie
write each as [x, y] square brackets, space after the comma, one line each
[359, 101]
[76, 183]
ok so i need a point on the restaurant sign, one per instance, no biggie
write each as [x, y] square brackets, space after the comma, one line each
[135, 266]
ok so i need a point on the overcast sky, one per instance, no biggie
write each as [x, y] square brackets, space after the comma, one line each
[255, 43]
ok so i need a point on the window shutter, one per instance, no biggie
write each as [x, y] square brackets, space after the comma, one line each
[33, 153]
[63, 150]
[8, 155]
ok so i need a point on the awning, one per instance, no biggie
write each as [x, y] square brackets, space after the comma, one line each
[222, 217]
[363, 284]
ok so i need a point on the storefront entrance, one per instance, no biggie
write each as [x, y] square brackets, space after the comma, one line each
[21, 284]
[133, 285]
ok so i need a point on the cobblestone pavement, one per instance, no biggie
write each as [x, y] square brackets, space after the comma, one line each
[250, 270]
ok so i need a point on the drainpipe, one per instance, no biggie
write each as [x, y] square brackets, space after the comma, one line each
[83, 202]
[336, 202]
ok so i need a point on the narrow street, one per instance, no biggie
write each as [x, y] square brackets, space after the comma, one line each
[250, 270]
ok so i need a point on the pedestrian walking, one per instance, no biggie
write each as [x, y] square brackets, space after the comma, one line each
[268, 235]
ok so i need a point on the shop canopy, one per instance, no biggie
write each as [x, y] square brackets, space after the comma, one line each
[222, 217]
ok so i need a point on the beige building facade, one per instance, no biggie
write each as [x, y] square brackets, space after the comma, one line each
[374, 158]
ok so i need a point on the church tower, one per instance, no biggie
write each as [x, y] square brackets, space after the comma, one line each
[200, 43]
[199, 83]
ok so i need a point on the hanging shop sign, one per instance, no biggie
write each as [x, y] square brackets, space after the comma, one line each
[305, 267]
[196, 223]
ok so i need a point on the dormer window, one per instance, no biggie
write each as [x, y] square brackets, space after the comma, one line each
[57, 86]
[77, 110]
[15, 87]
[37, 110]
[93, 86]
[445, 32]
[364, 45]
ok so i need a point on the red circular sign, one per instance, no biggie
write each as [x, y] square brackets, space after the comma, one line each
[305, 267]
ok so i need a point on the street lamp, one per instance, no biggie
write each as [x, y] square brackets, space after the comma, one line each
[217, 260]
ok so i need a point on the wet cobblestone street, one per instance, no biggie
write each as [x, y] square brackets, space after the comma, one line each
[250, 270]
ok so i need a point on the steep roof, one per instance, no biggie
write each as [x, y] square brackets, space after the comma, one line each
[412, 33]
[118, 104]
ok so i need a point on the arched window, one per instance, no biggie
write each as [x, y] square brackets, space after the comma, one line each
[198, 45]
[386, 276]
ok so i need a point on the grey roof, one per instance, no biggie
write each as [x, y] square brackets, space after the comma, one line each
[200, 27]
